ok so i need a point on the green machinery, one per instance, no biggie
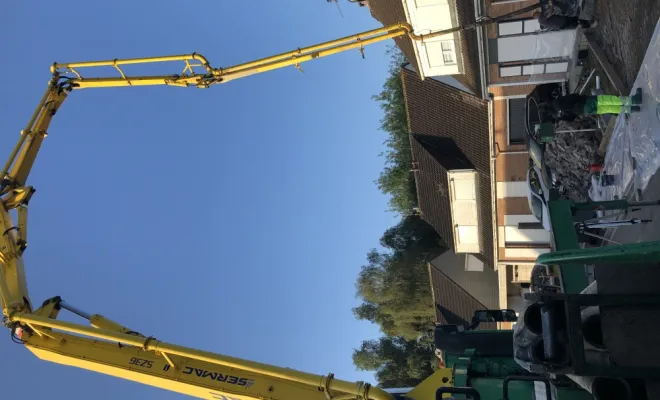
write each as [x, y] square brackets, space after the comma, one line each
[484, 367]
[484, 361]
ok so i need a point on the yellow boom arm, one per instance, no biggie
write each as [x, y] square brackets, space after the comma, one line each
[196, 72]
[110, 348]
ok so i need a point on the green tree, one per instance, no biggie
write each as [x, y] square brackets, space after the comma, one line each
[397, 362]
[412, 232]
[394, 286]
[396, 178]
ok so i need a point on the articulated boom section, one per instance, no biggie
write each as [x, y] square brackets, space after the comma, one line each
[15, 195]
[191, 377]
[112, 349]
[184, 375]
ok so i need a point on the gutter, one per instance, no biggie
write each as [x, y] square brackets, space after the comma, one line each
[493, 181]
[481, 34]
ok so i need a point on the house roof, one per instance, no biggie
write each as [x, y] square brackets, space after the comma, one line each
[455, 292]
[448, 130]
[483, 286]
[389, 12]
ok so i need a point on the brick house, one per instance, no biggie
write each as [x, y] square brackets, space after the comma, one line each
[451, 166]
[498, 65]
[451, 162]
[513, 69]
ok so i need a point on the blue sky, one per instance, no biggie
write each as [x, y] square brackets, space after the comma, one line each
[233, 219]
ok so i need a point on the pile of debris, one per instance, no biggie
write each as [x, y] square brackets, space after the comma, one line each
[569, 156]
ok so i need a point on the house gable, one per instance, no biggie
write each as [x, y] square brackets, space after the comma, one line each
[439, 114]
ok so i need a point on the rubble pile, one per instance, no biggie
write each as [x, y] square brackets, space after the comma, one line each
[569, 156]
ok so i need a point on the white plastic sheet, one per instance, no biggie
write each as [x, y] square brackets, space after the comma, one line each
[633, 154]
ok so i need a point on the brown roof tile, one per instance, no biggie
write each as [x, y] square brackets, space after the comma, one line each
[449, 295]
[459, 122]
[469, 47]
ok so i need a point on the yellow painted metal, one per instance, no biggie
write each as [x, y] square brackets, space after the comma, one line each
[443, 377]
[34, 134]
[197, 72]
[13, 282]
[197, 372]
[22, 225]
[398, 28]
[29, 125]
[100, 322]
[210, 76]
[127, 61]
[274, 382]
[190, 377]
[49, 309]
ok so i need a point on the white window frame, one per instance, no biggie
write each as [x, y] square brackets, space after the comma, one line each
[523, 28]
[510, 70]
[451, 51]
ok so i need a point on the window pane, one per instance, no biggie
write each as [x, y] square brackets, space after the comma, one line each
[510, 71]
[533, 69]
[532, 25]
[510, 28]
[537, 208]
[556, 67]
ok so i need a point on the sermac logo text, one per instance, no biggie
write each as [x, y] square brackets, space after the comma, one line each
[216, 376]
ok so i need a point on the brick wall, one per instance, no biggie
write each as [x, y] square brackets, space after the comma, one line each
[511, 206]
[511, 167]
[511, 90]
[501, 254]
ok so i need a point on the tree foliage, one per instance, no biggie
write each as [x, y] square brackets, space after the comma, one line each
[397, 362]
[394, 285]
[396, 178]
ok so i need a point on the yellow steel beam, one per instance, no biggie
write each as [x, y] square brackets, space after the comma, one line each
[210, 76]
[356, 390]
